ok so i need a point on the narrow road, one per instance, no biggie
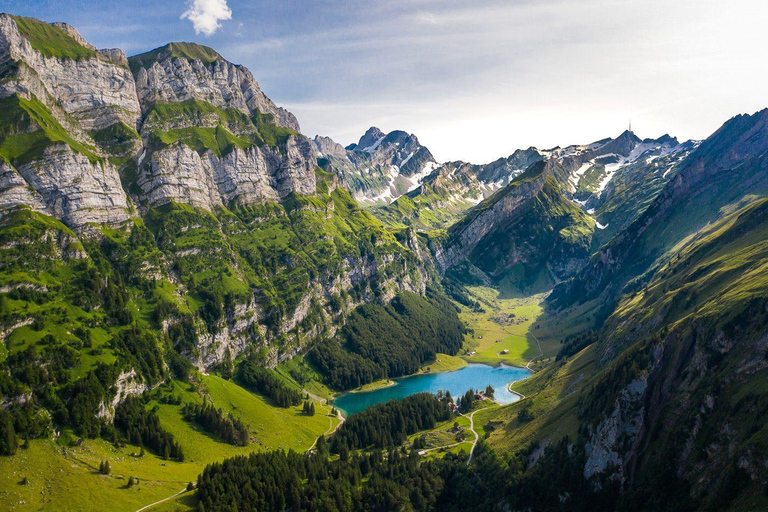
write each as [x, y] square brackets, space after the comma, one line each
[477, 437]
[163, 500]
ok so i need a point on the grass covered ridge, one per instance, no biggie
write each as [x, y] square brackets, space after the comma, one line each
[51, 41]
[188, 51]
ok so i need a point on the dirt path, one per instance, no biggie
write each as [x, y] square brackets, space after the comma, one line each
[163, 500]
[477, 437]
[331, 428]
[541, 353]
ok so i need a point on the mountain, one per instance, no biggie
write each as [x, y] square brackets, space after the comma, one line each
[452, 189]
[724, 171]
[380, 167]
[170, 180]
[528, 234]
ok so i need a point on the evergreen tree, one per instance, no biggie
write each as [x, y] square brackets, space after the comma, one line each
[8, 440]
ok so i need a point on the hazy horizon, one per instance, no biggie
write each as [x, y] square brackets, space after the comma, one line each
[473, 80]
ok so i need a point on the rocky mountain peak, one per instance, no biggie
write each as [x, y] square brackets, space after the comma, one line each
[179, 72]
[188, 51]
[328, 147]
[370, 138]
[73, 33]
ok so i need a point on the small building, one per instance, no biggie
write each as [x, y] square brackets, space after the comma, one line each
[503, 352]
[422, 452]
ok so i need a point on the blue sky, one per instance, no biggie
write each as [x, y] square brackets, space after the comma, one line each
[473, 79]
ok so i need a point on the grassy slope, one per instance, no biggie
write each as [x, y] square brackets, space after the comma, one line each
[66, 477]
[27, 128]
[51, 41]
[552, 397]
[495, 330]
[205, 127]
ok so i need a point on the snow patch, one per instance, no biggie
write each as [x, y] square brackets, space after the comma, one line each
[375, 145]
[402, 164]
[576, 176]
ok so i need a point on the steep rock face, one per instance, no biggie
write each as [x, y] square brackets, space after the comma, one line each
[178, 173]
[211, 136]
[182, 71]
[60, 100]
[127, 384]
[15, 191]
[76, 190]
[98, 91]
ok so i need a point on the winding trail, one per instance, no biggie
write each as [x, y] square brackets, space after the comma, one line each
[145, 507]
[477, 437]
[541, 353]
[331, 428]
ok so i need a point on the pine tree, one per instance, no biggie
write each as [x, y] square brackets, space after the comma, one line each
[8, 440]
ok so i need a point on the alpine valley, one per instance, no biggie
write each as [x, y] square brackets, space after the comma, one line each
[187, 282]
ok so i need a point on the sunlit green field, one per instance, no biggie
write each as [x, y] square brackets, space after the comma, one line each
[505, 325]
[64, 477]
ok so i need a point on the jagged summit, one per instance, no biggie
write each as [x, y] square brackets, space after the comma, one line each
[371, 137]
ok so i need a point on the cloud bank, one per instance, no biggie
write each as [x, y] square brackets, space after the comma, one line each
[205, 15]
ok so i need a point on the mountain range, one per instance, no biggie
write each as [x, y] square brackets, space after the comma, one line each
[164, 225]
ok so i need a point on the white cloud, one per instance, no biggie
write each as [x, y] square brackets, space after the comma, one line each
[205, 15]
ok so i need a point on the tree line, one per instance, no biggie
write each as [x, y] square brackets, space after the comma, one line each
[142, 427]
[265, 382]
[213, 420]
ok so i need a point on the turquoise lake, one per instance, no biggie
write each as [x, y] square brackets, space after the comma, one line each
[475, 376]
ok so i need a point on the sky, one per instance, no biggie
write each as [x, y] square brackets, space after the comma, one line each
[474, 80]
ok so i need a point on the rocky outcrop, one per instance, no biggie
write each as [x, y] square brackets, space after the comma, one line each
[76, 190]
[127, 384]
[168, 74]
[15, 191]
[96, 91]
